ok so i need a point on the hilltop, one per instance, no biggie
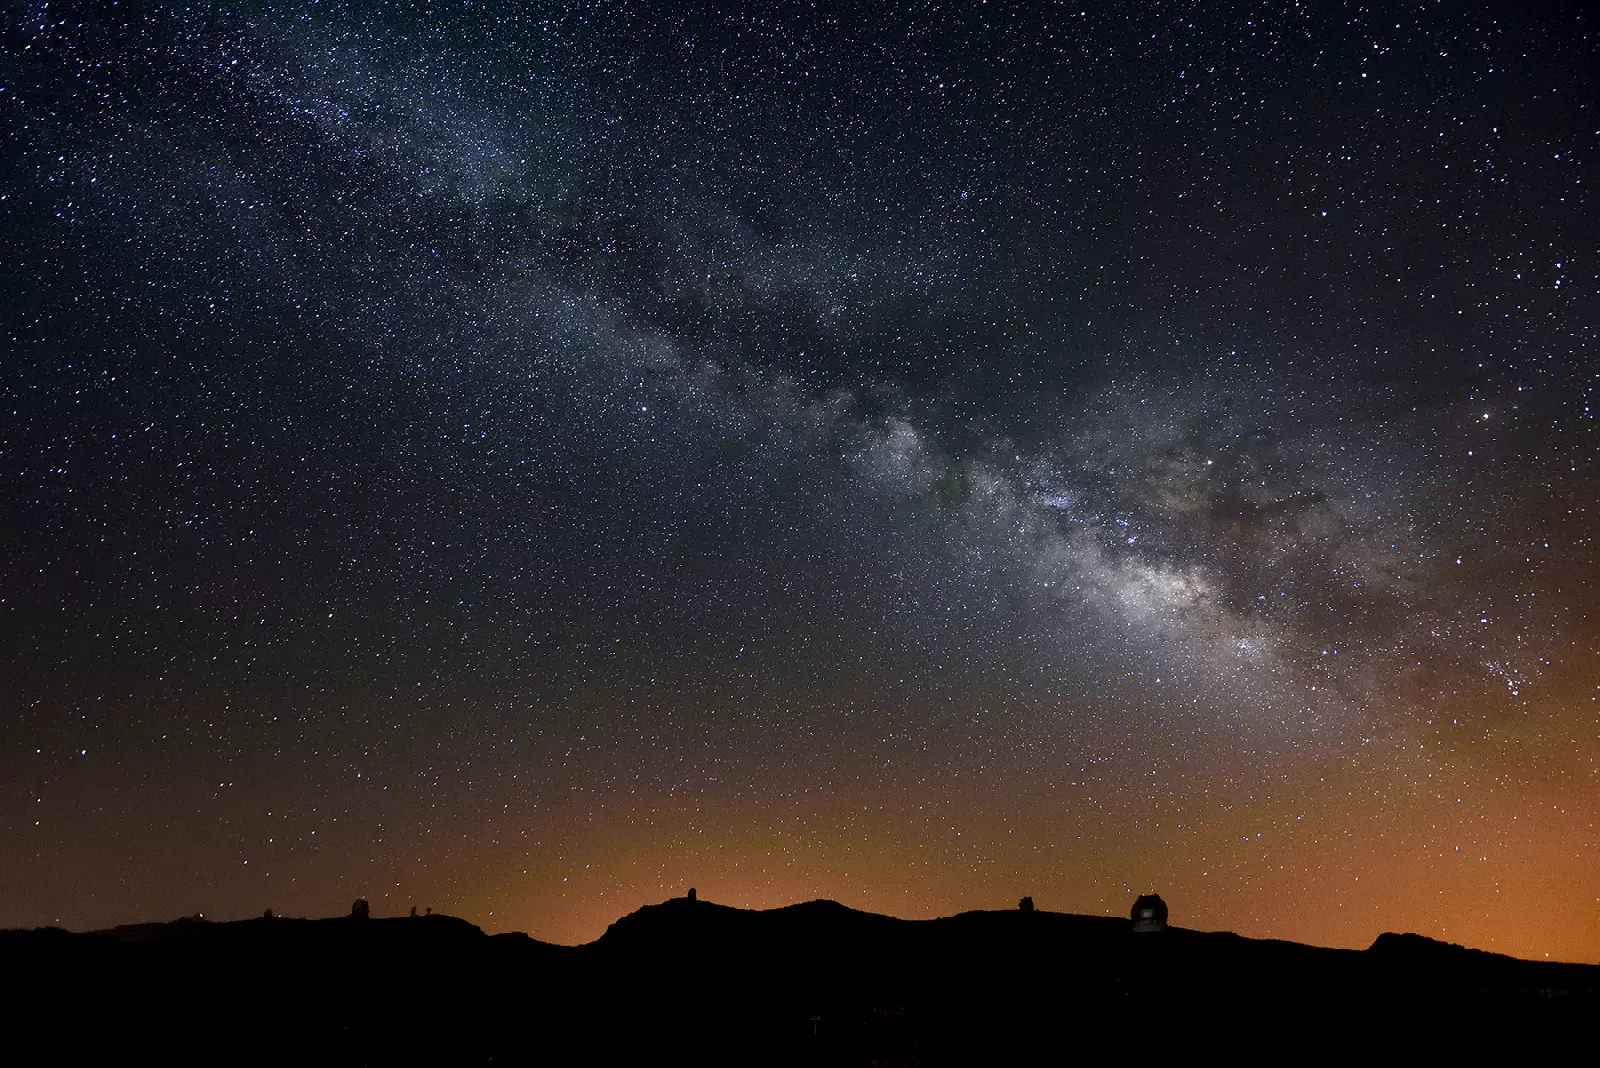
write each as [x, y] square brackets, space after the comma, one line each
[692, 982]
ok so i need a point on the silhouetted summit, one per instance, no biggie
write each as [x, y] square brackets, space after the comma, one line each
[691, 982]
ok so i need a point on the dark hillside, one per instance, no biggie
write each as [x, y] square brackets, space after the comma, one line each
[694, 983]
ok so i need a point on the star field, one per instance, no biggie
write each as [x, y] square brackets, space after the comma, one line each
[526, 460]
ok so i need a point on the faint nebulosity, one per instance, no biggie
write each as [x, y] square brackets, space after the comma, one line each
[527, 459]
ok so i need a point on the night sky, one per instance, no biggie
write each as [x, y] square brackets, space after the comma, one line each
[526, 460]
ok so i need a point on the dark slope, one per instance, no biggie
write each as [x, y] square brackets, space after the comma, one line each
[339, 991]
[690, 982]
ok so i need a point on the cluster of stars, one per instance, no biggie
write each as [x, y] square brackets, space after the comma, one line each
[536, 459]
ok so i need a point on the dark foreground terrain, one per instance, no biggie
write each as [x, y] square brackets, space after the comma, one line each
[693, 983]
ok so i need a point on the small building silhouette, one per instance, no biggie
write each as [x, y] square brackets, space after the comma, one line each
[360, 910]
[1149, 913]
[692, 894]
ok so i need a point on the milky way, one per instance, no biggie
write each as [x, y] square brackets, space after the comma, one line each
[529, 459]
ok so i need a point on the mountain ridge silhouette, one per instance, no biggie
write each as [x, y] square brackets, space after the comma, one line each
[689, 981]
